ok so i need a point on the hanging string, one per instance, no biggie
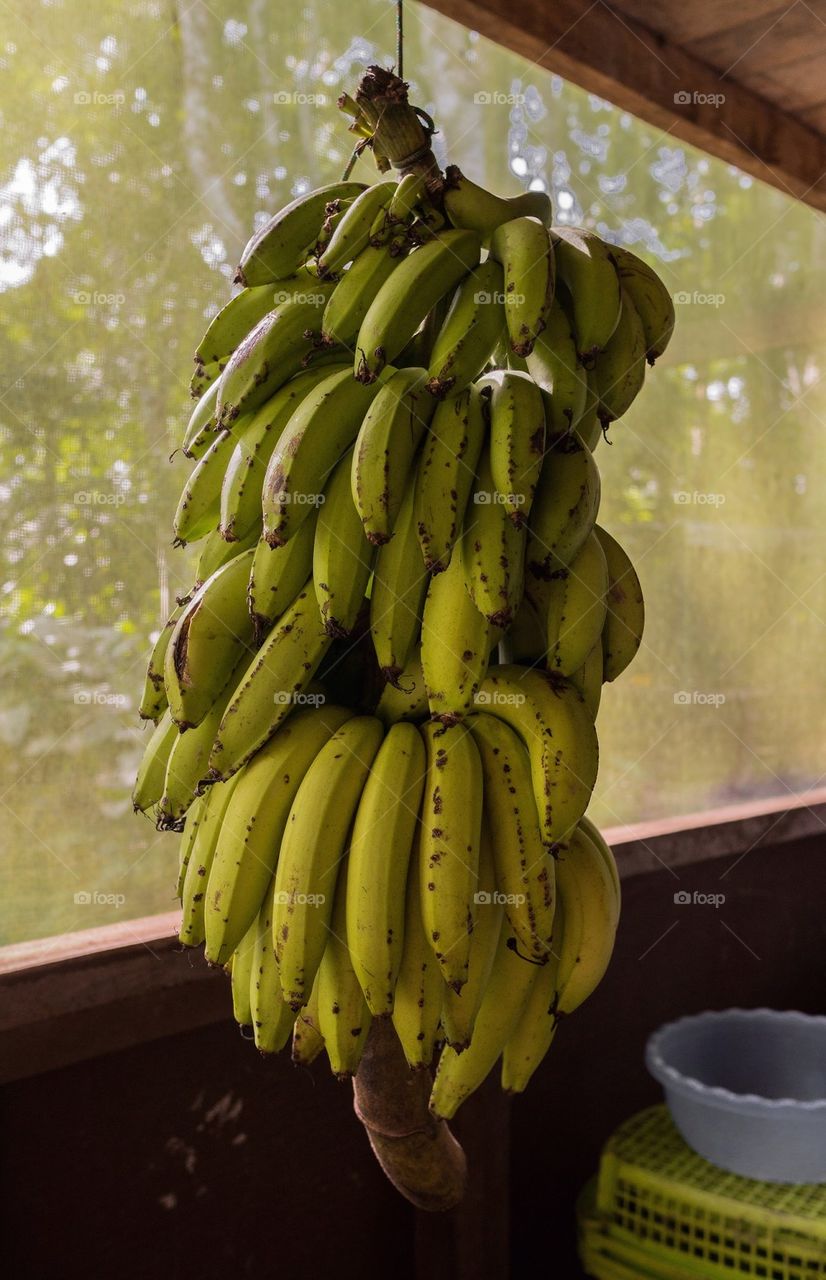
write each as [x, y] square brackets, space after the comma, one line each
[357, 150]
[359, 147]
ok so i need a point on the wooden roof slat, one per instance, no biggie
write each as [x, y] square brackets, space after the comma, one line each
[801, 84]
[761, 44]
[695, 19]
[643, 72]
[815, 117]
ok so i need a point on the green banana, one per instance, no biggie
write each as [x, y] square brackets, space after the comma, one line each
[589, 679]
[533, 1034]
[322, 428]
[196, 873]
[193, 821]
[524, 248]
[154, 701]
[576, 608]
[650, 298]
[191, 930]
[343, 1016]
[216, 552]
[244, 477]
[590, 898]
[381, 843]
[593, 833]
[209, 639]
[204, 377]
[307, 1038]
[460, 1009]
[564, 507]
[271, 686]
[406, 699]
[314, 843]
[241, 976]
[200, 429]
[253, 826]
[386, 445]
[278, 574]
[350, 300]
[492, 551]
[625, 619]
[233, 322]
[587, 267]
[472, 207]
[342, 560]
[199, 507]
[411, 189]
[148, 787]
[473, 326]
[398, 594]
[517, 439]
[333, 214]
[451, 822]
[553, 366]
[550, 716]
[620, 370]
[524, 868]
[284, 342]
[279, 247]
[272, 1018]
[353, 233]
[456, 644]
[446, 473]
[589, 427]
[458, 1075]
[417, 1000]
[404, 300]
[188, 766]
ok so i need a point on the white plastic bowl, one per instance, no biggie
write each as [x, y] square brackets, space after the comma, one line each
[747, 1090]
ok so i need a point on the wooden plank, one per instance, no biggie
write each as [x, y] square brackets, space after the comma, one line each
[71, 1010]
[646, 74]
[56, 1013]
[761, 43]
[734, 831]
[815, 117]
[148, 931]
[682, 22]
[799, 85]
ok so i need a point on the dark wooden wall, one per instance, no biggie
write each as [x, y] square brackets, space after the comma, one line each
[192, 1156]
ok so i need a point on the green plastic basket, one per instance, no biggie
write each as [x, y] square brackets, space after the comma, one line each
[611, 1260]
[606, 1259]
[659, 1209]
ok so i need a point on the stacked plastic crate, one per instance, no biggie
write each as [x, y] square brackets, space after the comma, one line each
[658, 1210]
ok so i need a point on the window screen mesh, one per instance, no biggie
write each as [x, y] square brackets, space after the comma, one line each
[140, 143]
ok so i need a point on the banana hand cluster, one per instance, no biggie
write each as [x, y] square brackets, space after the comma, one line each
[374, 713]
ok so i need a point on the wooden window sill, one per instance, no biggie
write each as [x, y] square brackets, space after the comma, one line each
[67, 999]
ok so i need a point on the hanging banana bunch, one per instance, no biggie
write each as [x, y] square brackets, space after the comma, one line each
[393, 473]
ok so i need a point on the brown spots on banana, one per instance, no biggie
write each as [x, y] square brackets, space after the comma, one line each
[446, 719]
[363, 372]
[440, 387]
[501, 617]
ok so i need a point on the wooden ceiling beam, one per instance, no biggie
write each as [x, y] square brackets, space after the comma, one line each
[598, 48]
